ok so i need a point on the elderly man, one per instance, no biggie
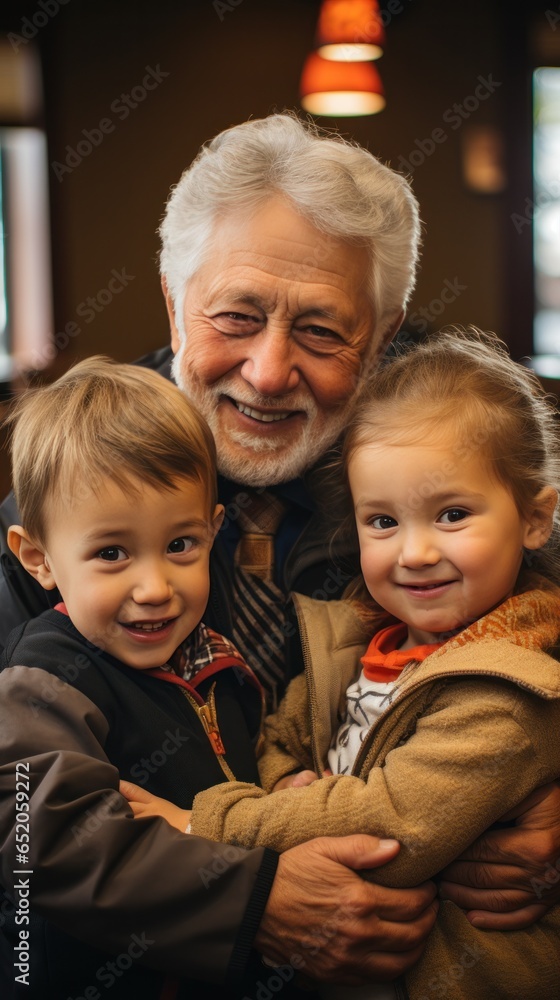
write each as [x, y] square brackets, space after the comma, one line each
[287, 262]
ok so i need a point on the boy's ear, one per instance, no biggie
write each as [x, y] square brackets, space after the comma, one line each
[538, 526]
[217, 520]
[31, 556]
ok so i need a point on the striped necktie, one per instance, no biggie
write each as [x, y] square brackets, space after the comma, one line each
[259, 604]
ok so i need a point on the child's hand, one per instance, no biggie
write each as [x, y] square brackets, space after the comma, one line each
[298, 780]
[143, 803]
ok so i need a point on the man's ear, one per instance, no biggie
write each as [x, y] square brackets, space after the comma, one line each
[393, 329]
[217, 520]
[538, 526]
[385, 340]
[31, 555]
[175, 339]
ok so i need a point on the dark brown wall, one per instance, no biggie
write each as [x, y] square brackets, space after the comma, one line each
[224, 66]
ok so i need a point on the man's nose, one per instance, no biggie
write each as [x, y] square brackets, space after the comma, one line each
[269, 367]
[419, 548]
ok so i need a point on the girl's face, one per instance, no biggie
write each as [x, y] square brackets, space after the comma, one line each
[441, 540]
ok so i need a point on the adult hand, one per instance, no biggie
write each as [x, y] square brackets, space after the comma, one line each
[509, 877]
[333, 926]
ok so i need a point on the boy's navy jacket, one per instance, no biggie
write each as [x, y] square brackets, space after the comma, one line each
[111, 895]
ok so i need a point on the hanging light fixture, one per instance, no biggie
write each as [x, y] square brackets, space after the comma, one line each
[350, 30]
[339, 78]
[340, 88]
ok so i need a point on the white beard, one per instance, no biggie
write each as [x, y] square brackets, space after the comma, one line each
[267, 460]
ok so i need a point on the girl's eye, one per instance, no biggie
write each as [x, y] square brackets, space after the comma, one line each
[383, 521]
[180, 545]
[453, 515]
[112, 553]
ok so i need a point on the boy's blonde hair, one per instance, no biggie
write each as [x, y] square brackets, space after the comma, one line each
[497, 409]
[105, 420]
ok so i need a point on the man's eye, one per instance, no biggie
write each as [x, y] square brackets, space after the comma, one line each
[180, 545]
[322, 332]
[236, 322]
[453, 515]
[383, 521]
[112, 553]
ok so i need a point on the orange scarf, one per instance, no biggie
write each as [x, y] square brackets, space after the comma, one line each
[384, 661]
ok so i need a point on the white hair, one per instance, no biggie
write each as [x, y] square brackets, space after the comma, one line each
[339, 187]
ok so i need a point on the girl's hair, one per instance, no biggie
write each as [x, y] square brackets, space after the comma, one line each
[103, 420]
[497, 409]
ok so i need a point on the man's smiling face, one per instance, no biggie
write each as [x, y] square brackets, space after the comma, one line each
[278, 323]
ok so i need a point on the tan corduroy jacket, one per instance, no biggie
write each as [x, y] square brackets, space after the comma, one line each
[472, 730]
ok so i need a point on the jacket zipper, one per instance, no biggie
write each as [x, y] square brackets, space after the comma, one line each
[313, 703]
[209, 719]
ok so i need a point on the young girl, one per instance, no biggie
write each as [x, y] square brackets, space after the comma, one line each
[450, 715]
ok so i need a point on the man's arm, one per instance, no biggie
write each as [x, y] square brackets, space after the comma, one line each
[509, 877]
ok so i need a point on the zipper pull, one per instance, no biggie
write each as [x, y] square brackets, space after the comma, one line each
[211, 729]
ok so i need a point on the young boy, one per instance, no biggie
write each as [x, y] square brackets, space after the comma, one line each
[114, 473]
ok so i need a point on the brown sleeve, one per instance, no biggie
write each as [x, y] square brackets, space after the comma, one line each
[478, 751]
[287, 739]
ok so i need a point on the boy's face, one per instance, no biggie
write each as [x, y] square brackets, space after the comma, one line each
[441, 540]
[133, 571]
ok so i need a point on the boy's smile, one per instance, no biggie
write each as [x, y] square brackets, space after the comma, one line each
[133, 570]
[441, 539]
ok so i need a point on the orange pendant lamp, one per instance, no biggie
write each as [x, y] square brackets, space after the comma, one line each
[350, 30]
[340, 88]
[339, 78]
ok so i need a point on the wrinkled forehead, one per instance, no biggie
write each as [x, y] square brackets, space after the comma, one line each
[278, 237]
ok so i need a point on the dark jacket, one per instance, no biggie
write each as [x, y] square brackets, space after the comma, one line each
[110, 896]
